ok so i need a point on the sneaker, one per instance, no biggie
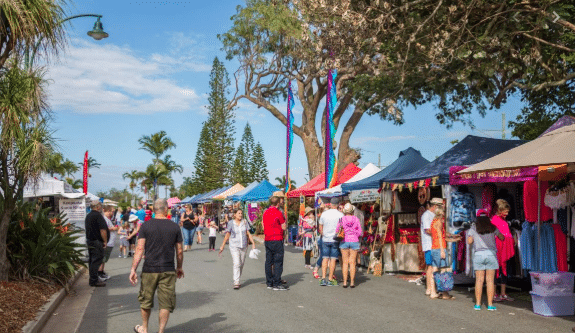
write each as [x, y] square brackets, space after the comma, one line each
[491, 308]
[497, 298]
[270, 287]
[98, 284]
[101, 279]
[333, 283]
[507, 298]
[120, 256]
[477, 307]
[280, 288]
[103, 276]
[323, 282]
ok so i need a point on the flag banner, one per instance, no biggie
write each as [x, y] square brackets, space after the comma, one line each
[85, 180]
[289, 135]
[330, 160]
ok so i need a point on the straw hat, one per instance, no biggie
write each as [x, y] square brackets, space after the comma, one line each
[133, 218]
[279, 194]
[437, 201]
[307, 211]
[348, 208]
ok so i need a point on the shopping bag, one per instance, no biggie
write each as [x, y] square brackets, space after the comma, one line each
[254, 253]
[443, 281]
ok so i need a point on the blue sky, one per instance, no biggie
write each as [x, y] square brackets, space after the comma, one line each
[152, 74]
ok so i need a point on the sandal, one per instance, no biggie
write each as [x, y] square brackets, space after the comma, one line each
[236, 286]
[352, 286]
[137, 328]
[345, 285]
[448, 297]
[439, 296]
[316, 275]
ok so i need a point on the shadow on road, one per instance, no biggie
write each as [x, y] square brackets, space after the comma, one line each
[203, 325]
[292, 279]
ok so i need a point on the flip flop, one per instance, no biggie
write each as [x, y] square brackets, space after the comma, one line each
[137, 328]
[237, 286]
[436, 297]
[449, 298]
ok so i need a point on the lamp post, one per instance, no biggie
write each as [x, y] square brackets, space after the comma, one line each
[97, 33]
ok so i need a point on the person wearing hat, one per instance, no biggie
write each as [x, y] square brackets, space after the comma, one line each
[426, 221]
[274, 225]
[350, 245]
[330, 248]
[212, 236]
[308, 227]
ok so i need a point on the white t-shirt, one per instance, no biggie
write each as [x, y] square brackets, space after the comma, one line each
[426, 220]
[112, 240]
[213, 232]
[329, 219]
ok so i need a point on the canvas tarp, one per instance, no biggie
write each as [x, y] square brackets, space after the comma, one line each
[46, 187]
[318, 183]
[555, 147]
[472, 149]
[409, 160]
[261, 192]
[232, 190]
[248, 188]
[369, 170]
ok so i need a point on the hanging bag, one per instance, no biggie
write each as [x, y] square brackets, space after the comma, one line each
[444, 281]
[340, 235]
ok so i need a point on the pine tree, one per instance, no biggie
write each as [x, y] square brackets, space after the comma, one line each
[240, 173]
[258, 164]
[202, 177]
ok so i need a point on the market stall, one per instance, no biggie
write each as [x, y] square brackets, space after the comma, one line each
[234, 197]
[250, 200]
[318, 183]
[337, 191]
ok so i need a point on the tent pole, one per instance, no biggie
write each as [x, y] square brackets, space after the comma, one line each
[539, 224]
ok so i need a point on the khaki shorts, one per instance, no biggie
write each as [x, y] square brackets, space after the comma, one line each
[165, 283]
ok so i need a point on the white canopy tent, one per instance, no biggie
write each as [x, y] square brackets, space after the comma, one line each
[368, 171]
[46, 187]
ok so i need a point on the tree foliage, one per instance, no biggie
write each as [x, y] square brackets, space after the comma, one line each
[258, 164]
[156, 144]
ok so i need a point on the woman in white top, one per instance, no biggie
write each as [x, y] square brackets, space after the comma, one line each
[237, 232]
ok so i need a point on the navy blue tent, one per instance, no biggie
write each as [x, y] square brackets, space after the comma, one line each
[262, 192]
[204, 196]
[472, 149]
[209, 197]
[248, 188]
[187, 200]
[408, 161]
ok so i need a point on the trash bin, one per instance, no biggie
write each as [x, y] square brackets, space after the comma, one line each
[292, 235]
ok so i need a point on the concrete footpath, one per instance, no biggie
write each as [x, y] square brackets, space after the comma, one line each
[206, 302]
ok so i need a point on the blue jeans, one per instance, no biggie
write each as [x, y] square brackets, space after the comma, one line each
[319, 257]
[349, 245]
[188, 236]
[275, 258]
[436, 258]
[330, 250]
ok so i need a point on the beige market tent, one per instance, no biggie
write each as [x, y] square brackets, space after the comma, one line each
[557, 147]
[232, 190]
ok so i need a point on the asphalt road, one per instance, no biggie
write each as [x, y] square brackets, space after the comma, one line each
[206, 302]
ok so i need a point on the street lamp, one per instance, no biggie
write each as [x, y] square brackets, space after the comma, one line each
[97, 33]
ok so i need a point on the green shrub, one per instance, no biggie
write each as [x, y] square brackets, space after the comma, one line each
[42, 247]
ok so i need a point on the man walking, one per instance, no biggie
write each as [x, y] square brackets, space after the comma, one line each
[330, 248]
[160, 239]
[274, 226]
[426, 220]
[97, 234]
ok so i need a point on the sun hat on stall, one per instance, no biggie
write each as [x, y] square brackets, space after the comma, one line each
[279, 194]
[133, 218]
[307, 211]
[348, 208]
[436, 201]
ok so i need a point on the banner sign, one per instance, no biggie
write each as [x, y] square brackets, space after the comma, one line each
[75, 210]
[495, 176]
[364, 195]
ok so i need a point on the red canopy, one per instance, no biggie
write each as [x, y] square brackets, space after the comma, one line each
[318, 183]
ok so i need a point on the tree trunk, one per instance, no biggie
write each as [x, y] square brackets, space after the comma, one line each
[4, 263]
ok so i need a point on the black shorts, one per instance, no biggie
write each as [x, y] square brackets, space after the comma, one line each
[132, 240]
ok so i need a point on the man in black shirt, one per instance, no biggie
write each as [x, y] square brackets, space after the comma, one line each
[97, 235]
[159, 239]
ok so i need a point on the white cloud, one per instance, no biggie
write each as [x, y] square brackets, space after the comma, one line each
[366, 140]
[104, 78]
[247, 111]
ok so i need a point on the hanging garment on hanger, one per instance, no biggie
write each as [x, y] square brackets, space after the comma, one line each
[548, 254]
[527, 241]
[573, 222]
[462, 208]
[461, 251]
[488, 197]
[562, 219]
[561, 247]
[530, 200]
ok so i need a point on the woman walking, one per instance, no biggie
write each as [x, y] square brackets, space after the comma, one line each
[484, 257]
[188, 222]
[237, 233]
[308, 228]
[350, 245]
[200, 227]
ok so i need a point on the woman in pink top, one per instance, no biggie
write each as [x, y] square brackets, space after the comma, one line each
[505, 247]
[350, 245]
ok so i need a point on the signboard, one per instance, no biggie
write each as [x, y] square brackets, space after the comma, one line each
[494, 176]
[363, 195]
[75, 210]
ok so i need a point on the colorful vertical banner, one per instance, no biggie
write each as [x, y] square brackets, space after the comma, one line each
[330, 160]
[85, 183]
[289, 136]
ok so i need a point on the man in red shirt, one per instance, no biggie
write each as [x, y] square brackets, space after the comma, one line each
[274, 227]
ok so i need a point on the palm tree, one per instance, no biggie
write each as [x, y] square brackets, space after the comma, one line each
[54, 164]
[156, 144]
[92, 163]
[70, 167]
[134, 176]
[282, 183]
[155, 174]
[172, 167]
[76, 183]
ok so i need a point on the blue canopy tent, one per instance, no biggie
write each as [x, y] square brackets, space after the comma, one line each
[409, 160]
[248, 188]
[209, 197]
[262, 192]
[472, 149]
[198, 199]
[187, 200]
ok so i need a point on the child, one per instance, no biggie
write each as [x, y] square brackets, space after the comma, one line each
[505, 246]
[124, 244]
[308, 228]
[212, 236]
[484, 257]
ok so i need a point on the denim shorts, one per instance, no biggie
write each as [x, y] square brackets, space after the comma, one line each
[484, 260]
[436, 258]
[349, 245]
[330, 250]
[428, 259]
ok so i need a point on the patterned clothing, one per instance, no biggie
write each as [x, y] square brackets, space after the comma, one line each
[462, 207]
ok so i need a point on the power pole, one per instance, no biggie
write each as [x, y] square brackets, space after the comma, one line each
[503, 125]
[379, 161]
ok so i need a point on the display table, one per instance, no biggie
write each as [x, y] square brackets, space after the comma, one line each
[407, 256]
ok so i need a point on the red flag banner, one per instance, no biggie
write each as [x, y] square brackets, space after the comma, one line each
[86, 173]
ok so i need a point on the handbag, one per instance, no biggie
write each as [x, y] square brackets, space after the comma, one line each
[444, 281]
[340, 236]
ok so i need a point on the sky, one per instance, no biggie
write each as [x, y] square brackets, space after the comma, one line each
[152, 74]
